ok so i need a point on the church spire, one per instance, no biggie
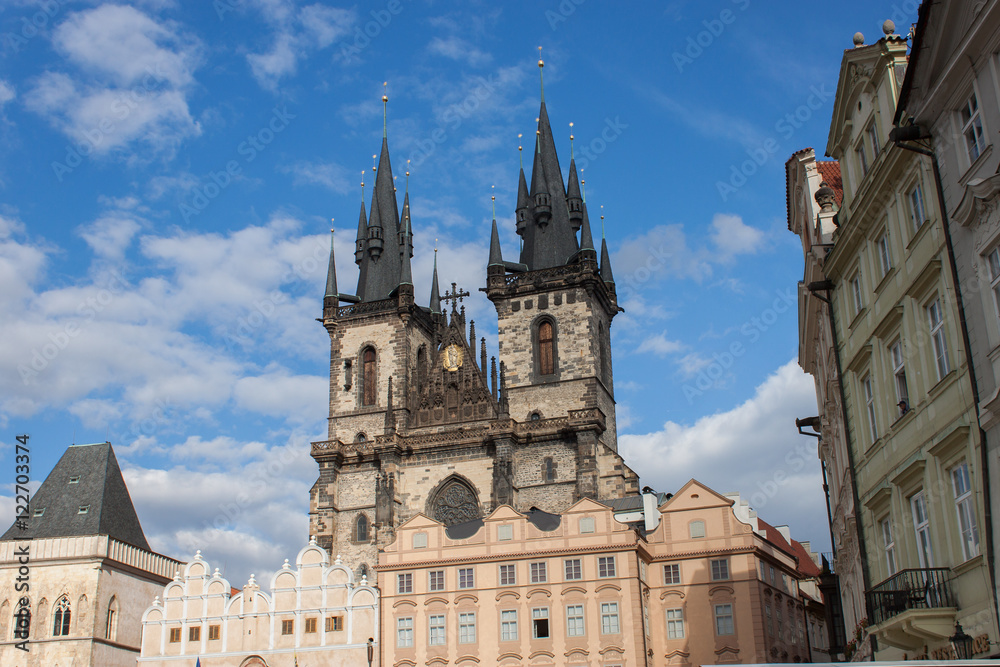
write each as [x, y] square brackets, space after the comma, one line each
[406, 245]
[435, 290]
[606, 274]
[523, 203]
[331, 272]
[496, 257]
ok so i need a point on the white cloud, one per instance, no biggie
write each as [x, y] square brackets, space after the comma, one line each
[110, 235]
[460, 50]
[753, 448]
[660, 345]
[301, 398]
[731, 236]
[268, 68]
[326, 24]
[131, 86]
[7, 93]
[329, 175]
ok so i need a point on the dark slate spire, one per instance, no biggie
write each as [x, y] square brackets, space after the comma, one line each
[331, 273]
[362, 240]
[98, 487]
[523, 203]
[606, 274]
[435, 291]
[381, 265]
[574, 201]
[549, 239]
[496, 259]
[406, 247]
[586, 238]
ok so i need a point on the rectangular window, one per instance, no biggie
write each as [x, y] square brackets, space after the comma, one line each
[856, 294]
[540, 623]
[922, 529]
[609, 618]
[310, 625]
[972, 128]
[675, 624]
[175, 635]
[966, 510]
[508, 575]
[770, 620]
[771, 573]
[508, 625]
[862, 157]
[334, 623]
[213, 632]
[194, 634]
[872, 132]
[288, 627]
[890, 546]
[606, 566]
[574, 620]
[884, 254]
[505, 532]
[916, 201]
[466, 577]
[993, 260]
[436, 580]
[404, 583]
[419, 540]
[696, 529]
[435, 625]
[587, 524]
[467, 628]
[720, 569]
[724, 619]
[899, 372]
[672, 573]
[936, 320]
[866, 384]
[762, 573]
[539, 573]
[404, 632]
[573, 569]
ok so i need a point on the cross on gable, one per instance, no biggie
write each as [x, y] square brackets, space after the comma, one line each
[455, 296]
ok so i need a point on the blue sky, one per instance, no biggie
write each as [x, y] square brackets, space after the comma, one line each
[169, 169]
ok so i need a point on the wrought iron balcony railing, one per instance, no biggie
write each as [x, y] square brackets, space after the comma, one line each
[926, 588]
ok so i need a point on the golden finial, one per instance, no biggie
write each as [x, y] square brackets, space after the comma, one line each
[394, 183]
[571, 137]
[583, 187]
[541, 79]
[493, 198]
[385, 105]
[435, 246]
[520, 155]
[374, 163]
[331, 225]
[602, 221]
[362, 186]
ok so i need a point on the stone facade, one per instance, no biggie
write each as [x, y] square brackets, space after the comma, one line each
[317, 612]
[423, 422]
[106, 585]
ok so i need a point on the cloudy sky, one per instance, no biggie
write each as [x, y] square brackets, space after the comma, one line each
[169, 169]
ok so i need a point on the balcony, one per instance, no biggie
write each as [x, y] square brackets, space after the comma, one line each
[913, 607]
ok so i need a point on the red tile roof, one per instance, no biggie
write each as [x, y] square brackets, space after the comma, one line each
[807, 566]
[829, 171]
[772, 535]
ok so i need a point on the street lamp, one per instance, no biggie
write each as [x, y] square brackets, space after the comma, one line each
[371, 651]
[961, 643]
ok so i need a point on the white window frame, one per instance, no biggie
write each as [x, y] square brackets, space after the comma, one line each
[872, 133]
[539, 572]
[869, 393]
[922, 529]
[540, 614]
[915, 202]
[671, 574]
[573, 569]
[606, 567]
[466, 577]
[404, 632]
[862, 154]
[508, 575]
[993, 265]
[610, 622]
[404, 582]
[435, 580]
[720, 569]
[467, 627]
[436, 634]
[889, 543]
[899, 371]
[965, 508]
[724, 624]
[939, 340]
[884, 253]
[675, 623]
[971, 119]
[575, 623]
[508, 625]
[857, 295]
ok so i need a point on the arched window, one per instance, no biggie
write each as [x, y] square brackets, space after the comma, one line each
[111, 628]
[60, 628]
[361, 529]
[361, 437]
[546, 349]
[549, 469]
[369, 385]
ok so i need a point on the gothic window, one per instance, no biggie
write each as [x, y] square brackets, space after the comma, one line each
[421, 368]
[549, 469]
[546, 348]
[360, 437]
[361, 529]
[60, 627]
[111, 628]
[369, 385]
[455, 503]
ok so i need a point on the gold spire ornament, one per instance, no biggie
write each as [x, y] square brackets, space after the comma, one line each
[374, 163]
[541, 79]
[583, 187]
[520, 154]
[493, 197]
[362, 186]
[602, 221]
[407, 176]
[385, 105]
[571, 137]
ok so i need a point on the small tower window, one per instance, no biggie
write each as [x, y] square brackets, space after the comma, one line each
[62, 617]
[360, 437]
[111, 628]
[361, 529]
[549, 469]
[546, 349]
[368, 381]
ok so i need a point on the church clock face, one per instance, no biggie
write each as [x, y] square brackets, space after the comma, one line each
[452, 357]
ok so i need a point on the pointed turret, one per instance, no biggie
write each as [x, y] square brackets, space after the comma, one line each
[587, 250]
[606, 274]
[496, 258]
[574, 201]
[381, 265]
[331, 274]
[523, 204]
[362, 240]
[406, 249]
[435, 290]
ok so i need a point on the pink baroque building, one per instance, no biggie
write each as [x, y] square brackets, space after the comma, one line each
[316, 613]
[689, 579]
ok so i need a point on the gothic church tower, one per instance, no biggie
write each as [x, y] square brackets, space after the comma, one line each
[421, 421]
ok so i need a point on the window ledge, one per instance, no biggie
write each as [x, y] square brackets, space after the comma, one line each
[919, 234]
[968, 565]
[942, 384]
[904, 418]
[858, 316]
[885, 279]
[974, 167]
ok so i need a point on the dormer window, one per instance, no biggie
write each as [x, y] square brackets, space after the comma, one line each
[40, 512]
[75, 479]
[83, 509]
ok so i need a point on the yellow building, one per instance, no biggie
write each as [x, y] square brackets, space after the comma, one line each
[316, 613]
